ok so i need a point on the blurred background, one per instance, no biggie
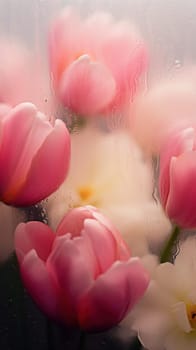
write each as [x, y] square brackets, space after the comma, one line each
[168, 26]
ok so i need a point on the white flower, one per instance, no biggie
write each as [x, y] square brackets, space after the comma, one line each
[166, 317]
[109, 172]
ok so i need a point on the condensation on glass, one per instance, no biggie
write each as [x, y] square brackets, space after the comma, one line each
[168, 27]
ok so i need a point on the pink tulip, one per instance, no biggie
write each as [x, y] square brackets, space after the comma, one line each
[177, 185]
[83, 275]
[34, 155]
[96, 63]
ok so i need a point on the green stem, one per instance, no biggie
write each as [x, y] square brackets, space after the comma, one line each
[166, 252]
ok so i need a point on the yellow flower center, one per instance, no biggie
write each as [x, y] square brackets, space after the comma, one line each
[87, 196]
[191, 313]
[85, 192]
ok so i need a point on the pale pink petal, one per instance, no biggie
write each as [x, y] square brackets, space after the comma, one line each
[33, 235]
[40, 284]
[13, 68]
[83, 244]
[59, 240]
[64, 46]
[123, 39]
[95, 38]
[73, 272]
[48, 169]
[122, 252]
[181, 203]
[103, 243]
[73, 221]
[22, 135]
[4, 110]
[112, 295]
[168, 105]
[127, 57]
[71, 266]
[86, 87]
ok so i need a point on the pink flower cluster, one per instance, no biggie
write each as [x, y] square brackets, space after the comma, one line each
[82, 274]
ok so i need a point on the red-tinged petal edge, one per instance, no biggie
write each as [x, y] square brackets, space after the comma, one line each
[17, 152]
[40, 285]
[181, 204]
[33, 235]
[113, 295]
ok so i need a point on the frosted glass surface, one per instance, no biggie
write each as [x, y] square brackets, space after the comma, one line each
[167, 26]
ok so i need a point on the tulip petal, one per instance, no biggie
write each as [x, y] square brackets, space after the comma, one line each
[4, 110]
[122, 252]
[63, 41]
[40, 284]
[112, 295]
[23, 134]
[73, 273]
[33, 235]
[129, 66]
[73, 221]
[177, 144]
[126, 68]
[180, 208]
[72, 267]
[155, 322]
[83, 244]
[86, 87]
[100, 237]
[48, 169]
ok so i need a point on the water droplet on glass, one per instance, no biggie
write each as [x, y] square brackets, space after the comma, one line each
[177, 64]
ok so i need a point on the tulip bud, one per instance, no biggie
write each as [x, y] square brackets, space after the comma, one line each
[34, 155]
[95, 71]
[177, 185]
